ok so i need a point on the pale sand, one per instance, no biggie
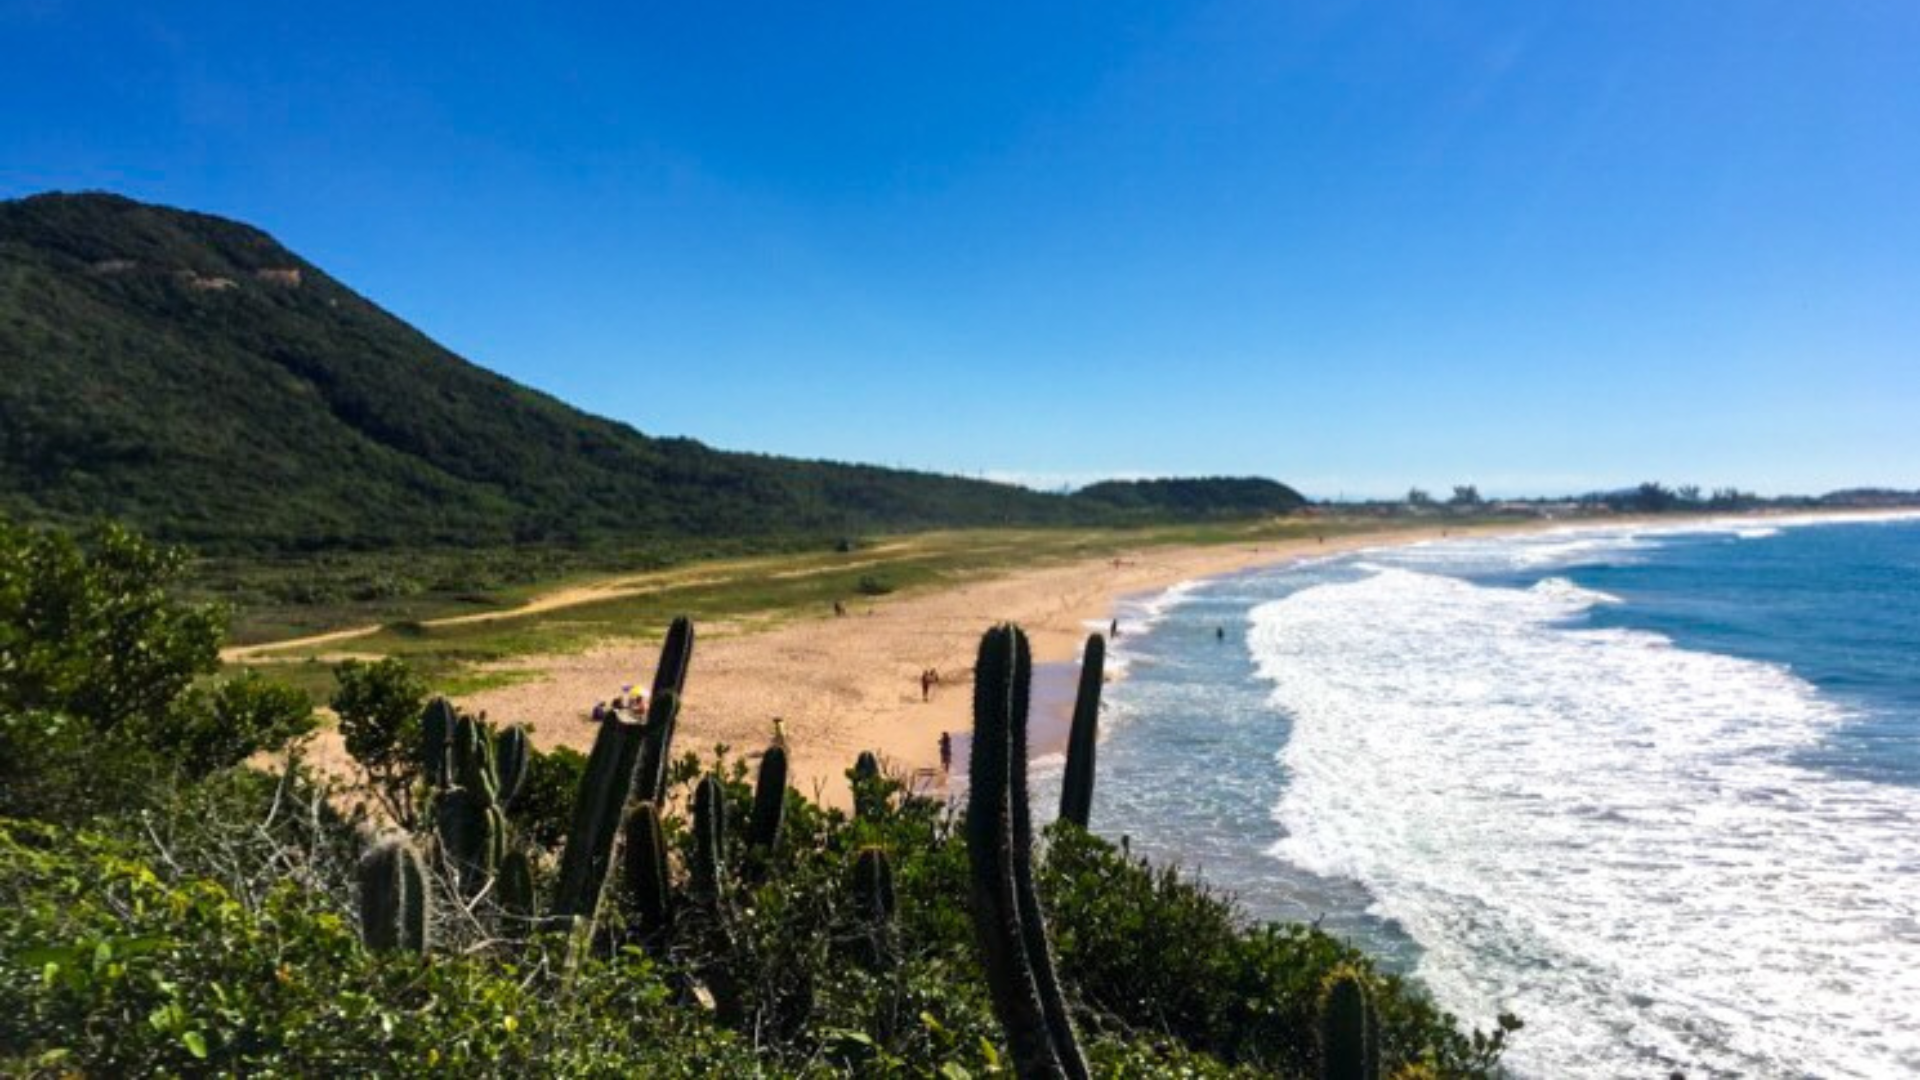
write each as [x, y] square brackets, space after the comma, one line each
[847, 684]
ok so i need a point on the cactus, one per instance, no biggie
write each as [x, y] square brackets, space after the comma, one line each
[769, 800]
[395, 906]
[1076, 791]
[869, 800]
[471, 757]
[873, 905]
[669, 679]
[511, 750]
[1349, 1049]
[515, 886]
[873, 886]
[1007, 919]
[714, 922]
[436, 737]
[656, 747]
[473, 835]
[644, 869]
[597, 811]
[709, 841]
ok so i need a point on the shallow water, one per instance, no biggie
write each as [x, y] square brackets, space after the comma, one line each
[1654, 790]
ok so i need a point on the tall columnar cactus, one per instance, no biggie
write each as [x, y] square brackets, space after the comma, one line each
[713, 917]
[1006, 911]
[597, 812]
[709, 841]
[515, 886]
[436, 740]
[868, 799]
[873, 897]
[396, 910]
[1076, 791]
[874, 904]
[656, 747]
[669, 680]
[473, 834]
[511, 750]
[769, 800]
[1349, 1046]
[644, 870]
[472, 759]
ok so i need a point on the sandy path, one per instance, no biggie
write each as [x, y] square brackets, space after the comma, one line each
[843, 685]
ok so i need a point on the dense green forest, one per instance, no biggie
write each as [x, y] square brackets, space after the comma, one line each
[190, 376]
[174, 903]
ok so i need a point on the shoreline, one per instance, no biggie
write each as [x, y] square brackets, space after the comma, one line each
[846, 684]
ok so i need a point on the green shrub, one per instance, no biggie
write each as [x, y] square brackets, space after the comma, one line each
[110, 968]
[101, 693]
[379, 706]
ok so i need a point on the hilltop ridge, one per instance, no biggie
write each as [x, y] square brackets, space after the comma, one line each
[191, 375]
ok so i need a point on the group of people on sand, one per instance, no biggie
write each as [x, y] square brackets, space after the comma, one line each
[630, 699]
[929, 678]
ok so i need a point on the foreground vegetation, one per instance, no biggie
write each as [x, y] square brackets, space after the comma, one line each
[166, 908]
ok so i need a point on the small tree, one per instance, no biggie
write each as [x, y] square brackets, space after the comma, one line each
[1465, 495]
[379, 706]
[1419, 497]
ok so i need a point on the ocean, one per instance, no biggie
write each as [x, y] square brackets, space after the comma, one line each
[1656, 790]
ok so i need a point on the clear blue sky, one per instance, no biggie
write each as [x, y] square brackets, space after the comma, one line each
[1541, 246]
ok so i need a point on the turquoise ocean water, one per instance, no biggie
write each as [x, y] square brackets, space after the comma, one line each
[1656, 790]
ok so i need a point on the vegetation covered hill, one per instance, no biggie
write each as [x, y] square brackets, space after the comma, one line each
[191, 376]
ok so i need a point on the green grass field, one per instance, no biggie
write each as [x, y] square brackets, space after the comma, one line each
[749, 590]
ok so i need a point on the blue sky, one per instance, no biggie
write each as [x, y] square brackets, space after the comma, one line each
[1539, 246]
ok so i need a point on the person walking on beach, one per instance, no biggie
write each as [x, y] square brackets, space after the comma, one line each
[927, 679]
[779, 733]
[1113, 629]
[946, 752]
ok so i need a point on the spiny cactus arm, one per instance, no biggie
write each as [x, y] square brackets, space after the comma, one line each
[511, 749]
[597, 812]
[676, 653]
[873, 893]
[769, 800]
[656, 747]
[1033, 922]
[644, 866]
[473, 767]
[395, 906]
[472, 835]
[868, 798]
[1346, 1022]
[990, 841]
[709, 840]
[436, 737]
[515, 885]
[1076, 790]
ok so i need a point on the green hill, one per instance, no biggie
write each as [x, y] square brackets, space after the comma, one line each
[190, 375]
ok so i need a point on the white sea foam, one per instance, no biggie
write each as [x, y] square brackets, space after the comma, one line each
[1598, 830]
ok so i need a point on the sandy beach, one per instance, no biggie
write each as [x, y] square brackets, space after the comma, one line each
[851, 683]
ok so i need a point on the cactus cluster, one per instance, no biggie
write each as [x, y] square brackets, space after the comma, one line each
[474, 774]
[1076, 789]
[627, 759]
[1007, 919]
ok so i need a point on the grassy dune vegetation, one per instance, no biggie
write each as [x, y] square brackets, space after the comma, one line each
[750, 590]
